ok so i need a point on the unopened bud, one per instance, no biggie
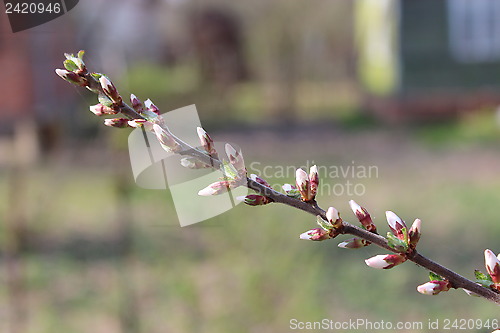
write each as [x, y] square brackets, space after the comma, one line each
[72, 77]
[100, 110]
[492, 264]
[254, 199]
[313, 181]
[414, 233]
[397, 225]
[302, 182]
[363, 216]
[316, 234]
[136, 103]
[166, 139]
[215, 188]
[207, 142]
[235, 158]
[434, 287]
[135, 123]
[110, 90]
[259, 180]
[151, 107]
[116, 122]
[385, 261]
[354, 243]
[333, 217]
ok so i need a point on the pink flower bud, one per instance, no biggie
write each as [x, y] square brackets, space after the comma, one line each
[434, 287]
[313, 181]
[110, 90]
[151, 107]
[385, 261]
[354, 243]
[72, 77]
[363, 216]
[116, 122]
[207, 143]
[254, 199]
[316, 234]
[100, 110]
[492, 264]
[333, 217]
[135, 123]
[215, 188]
[396, 224]
[302, 181]
[414, 233]
[259, 180]
[166, 139]
[136, 103]
[235, 158]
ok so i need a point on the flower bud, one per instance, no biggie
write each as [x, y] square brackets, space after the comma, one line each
[135, 123]
[116, 122]
[166, 139]
[313, 181]
[235, 158]
[333, 217]
[100, 110]
[72, 77]
[414, 233]
[207, 142]
[259, 180]
[434, 287]
[385, 261]
[151, 107]
[110, 90]
[354, 243]
[316, 234]
[363, 216]
[302, 181]
[397, 225]
[492, 264]
[136, 103]
[254, 199]
[215, 188]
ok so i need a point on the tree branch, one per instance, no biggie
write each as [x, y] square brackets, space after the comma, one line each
[76, 73]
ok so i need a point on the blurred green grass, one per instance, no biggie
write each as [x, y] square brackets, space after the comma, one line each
[246, 270]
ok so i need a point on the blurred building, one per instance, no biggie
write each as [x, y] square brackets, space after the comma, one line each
[428, 60]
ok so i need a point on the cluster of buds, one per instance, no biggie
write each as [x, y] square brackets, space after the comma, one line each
[307, 185]
[329, 228]
[75, 70]
[401, 240]
[234, 171]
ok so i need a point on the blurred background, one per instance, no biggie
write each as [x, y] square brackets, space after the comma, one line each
[409, 88]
